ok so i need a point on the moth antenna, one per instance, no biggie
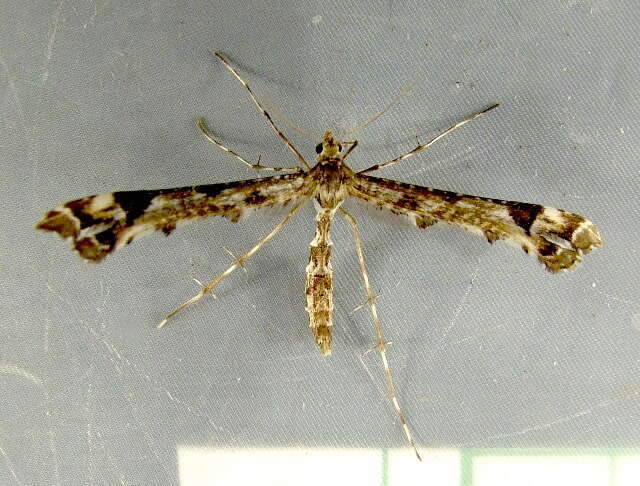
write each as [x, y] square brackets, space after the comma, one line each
[389, 105]
[288, 122]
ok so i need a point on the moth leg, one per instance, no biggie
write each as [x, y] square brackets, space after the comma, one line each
[282, 136]
[238, 263]
[380, 344]
[202, 126]
[420, 148]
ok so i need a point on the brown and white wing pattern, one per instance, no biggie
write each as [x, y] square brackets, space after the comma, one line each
[99, 224]
[556, 237]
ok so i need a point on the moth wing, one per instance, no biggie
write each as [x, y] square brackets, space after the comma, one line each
[556, 237]
[100, 224]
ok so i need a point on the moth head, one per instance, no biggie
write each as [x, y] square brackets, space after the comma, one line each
[328, 147]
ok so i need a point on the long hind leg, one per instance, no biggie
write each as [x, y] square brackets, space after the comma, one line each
[380, 344]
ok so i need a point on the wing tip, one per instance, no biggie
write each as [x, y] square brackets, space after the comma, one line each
[68, 225]
[59, 221]
[562, 250]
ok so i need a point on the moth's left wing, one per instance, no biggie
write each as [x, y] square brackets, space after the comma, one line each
[102, 223]
[556, 237]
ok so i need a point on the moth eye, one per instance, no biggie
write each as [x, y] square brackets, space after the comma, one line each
[319, 148]
[339, 148]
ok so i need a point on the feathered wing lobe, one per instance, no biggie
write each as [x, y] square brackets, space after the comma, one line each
[99, 224]
[556, 237]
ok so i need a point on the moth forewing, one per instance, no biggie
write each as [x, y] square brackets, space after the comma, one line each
[556, 237]
[98, 225]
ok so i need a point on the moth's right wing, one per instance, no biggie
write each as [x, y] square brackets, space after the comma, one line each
[556, 237]
[99, 224]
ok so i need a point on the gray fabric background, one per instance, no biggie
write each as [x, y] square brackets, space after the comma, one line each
[488, 349]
